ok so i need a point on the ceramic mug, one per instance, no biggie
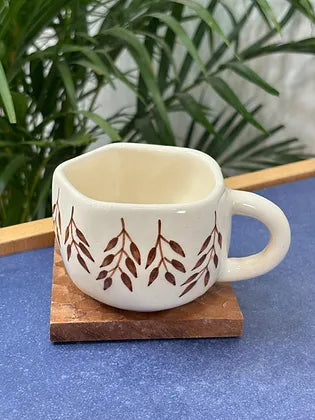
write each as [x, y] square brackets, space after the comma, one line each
[146, 227]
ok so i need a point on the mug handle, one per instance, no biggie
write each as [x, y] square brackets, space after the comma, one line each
[252, 205]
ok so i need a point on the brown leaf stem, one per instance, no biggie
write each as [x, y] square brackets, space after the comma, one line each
[203, 263]
[73, 237]
[120, 253]
[164, 261]
[116, 258]
[56, 214]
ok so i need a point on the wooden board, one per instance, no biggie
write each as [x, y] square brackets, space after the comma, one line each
[39, 233]
[272, 176]
[77, 317]
[31, 235]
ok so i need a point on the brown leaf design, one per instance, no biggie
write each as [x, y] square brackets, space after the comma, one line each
[205, 244]
[220, 239]
[126, 280]
[153, 275]
[85, 251]
[107, 260]
[200, 261]
[111, 244]
[83, 263]
[207, 278]
[107, 283]
[54, 207]
[177, 248]
[215, 260]
[151, 257]
[209, 254]
[170, 278]
[131, 266]
[68, 251]
[102, 275]
[121, 256]
[67, 233]
[178, 265]
[59, 221]
[188, 288]
[191, 278]
[81, 237]
[135, 252]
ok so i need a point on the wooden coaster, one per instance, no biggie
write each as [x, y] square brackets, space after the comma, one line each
[75, 316]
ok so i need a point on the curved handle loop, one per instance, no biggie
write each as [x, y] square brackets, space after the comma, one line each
[253, 205]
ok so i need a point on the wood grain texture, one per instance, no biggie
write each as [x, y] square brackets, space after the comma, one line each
[77, 317]
[31, 235]
[39, 233]
[272, 176]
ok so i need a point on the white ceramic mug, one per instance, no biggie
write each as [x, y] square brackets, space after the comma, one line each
[146, 228]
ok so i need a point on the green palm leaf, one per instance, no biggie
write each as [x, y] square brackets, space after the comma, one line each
[305, 46]
[142, 58]
[247, 73]
[183, 36]
[6, 96]
[229, 96]
[267, 13]
[196, 112]
[200, 31]
[206, 16]
[103, 124]
[169, 39]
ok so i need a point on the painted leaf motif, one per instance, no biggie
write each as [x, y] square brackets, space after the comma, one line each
[81, 236]
[151, 257]
[68, 251]
[215, 260]
[102, 275]
[67, 233]
[205, 244]
[188, 288]
[153, 275]
[59, 221]
[207, 278]
[177, 248]
[191, 278]
[107, 283]
[135, 252]
[131, 266]
[200, 261]
[82, 262]
[178, 265]
[85, 251]
[107, 260]
[170, 278]
[220, 239]
[126, 280]
[111, 244]
[54, 208]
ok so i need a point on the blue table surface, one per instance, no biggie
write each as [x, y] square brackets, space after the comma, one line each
[269, 373]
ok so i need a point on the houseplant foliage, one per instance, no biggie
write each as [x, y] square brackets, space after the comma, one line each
[57, 55]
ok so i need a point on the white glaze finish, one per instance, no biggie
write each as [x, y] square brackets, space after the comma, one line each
[252, 205]
[186, 210]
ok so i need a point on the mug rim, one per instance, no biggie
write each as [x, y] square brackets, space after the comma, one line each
[213, 195]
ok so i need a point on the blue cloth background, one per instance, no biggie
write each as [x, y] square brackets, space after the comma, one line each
[269, 373]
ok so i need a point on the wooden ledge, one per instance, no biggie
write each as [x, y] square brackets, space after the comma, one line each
[272, 176]
[39, 234]
[31, 235]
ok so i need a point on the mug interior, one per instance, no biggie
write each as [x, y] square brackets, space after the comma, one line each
[142, 175]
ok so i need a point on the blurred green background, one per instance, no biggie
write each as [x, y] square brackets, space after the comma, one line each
[58, 56]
